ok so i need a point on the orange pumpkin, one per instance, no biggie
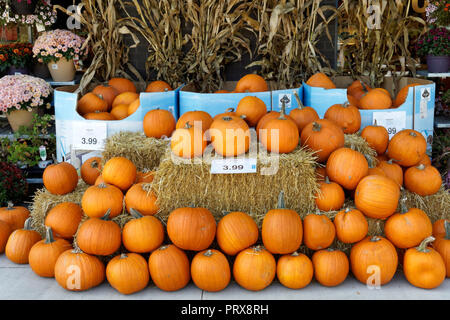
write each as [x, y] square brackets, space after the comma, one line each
[439, 228]
[302, 115]
[228, 113]
[107, 92]
[407, 147]
[120, 172]
[266, 118]
[91, 169]
[142, 199]
[128, 273]
[347, 167]
[210, 270]
[351, 225]
[330, 267]
[442, 245]
[5, 232]
[321, 173]
[198, 119]
[321, 80]
[252, 108]
[188, 142]
[426, 161]
[230, 136]
[90, 102]
[158, 86]
[392, 171]
[64, 219]
[402, 95]
[122, 85]
[222, 91]
[99, 180]
[20, 243]
[330, 197]
[318, 231]
[99, 198]
[375, 99]
[120, 111]
[142, 234]
[295, 271]
[145, 176]
[14, 216]
[99, 116]
[159, 123]
[60, 178]
[346, 116]
[416, 176]
[132, 107]
[125, 98]
[377, 137]
[251, 83]
[357, 89]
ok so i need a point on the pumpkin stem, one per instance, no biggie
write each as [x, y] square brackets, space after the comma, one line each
[123, 256]
[299, 102]
[187, 125]
[208, 253]
[347, 210]
[295, 254]
[375, 124]
[77, 250]
[390, 161]
[280, 203]
[345, 104]
[94, 164]
[375, 239]
[106, 216]
[364, 86]
[229, 110]
[327, 180]
[10, 205]
[329, 249]
[413, 134]
[421, 166]
[258, 248]
[447, 229]
[283, 111]
[135, 214]
[164, 247]
[227, 118]
[48, 235]
[403, 207]
[423, 245]
[27, 224]
[317, 126]
[102, 185]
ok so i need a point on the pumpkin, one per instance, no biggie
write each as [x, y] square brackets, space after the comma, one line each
[169, 268]
[357, 89]
[374, 261]
[159, 123]
[120, 111]
[44, 254]
[321, 80]
[347, 167]
[280, 135]
[351, 225]
[91, 169]
[318, 231]
[142, 234]
[122, 85]
[198, 119]
[330, 267]
[402, 95]
[97, 199]
[251, 83]
[266, 118]
[128, 273]
[407, 147]
[158, 86]
[188, 142]
[377, 196]
[99, 116]
[210, 270]
[375, 171]
[442, 245]
[15, 216]
[20, 243]
[230, 136]
[254, 268]
[331, 196]
[99, 180]
[375, 99]
[439, 228]
[423, 266]
[322, 136]
[120, 172]
[145, 176]
[191, 228]
[107, 92]
[5, 232]
[125, 98]
[133, 107]
[321, 173]
[346, 116]
[253, 108]
[377, 137]
[236, 231]
[302, 115]
[282, 230]
[382, 157]
[392, 171]
[99, 236]
[142, 199]
[60, 178]
[416, 176]
[407, 228]
[91, 102]
[222, 91]
[64, 219]
[295, 271]
[228, 113]
[78, 271]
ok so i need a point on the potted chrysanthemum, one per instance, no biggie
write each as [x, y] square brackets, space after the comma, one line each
[59, 49]
[435, 46]
[21, 96]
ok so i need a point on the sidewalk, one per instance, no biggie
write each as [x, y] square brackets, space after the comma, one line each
[20, 282]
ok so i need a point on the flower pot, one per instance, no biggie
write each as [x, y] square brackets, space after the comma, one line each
[23, 6]
[40, 70]
[18, 118]
[17, 70]
[438, 64]
[63, 70]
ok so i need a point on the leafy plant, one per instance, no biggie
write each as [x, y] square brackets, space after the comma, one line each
[13, 185]
[438, 12]
[435, 42]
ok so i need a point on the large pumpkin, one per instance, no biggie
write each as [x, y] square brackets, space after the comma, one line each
[91, 102]
[254, 268]
[392, 171]
[64, 219]
[191, 228]
[142, 199]
[407, 147]
[321, 80]
[375, 99]
[60, 178]
[295, 271]
[5, 232]
[442, 245]
[331, 196]
[377, 137]
[318, 231]
[158, 86]
[122, 85]
[416, 176]
[345, 115]
[251, 83]
[230, 136]
[197, 119]
[351, 226]
[302, 115]
[159, 123]
[210, 270]
[347, 167]
[128, 273]
[330, 267]
[120, 172]
[188, 142]
[142, 234]
[98, 199]
[252, 108]
[374, 261]
[15, 216]
[91, 169]
[20, 243]
[107, 92]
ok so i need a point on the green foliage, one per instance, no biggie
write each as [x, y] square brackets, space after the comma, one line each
[13, 185]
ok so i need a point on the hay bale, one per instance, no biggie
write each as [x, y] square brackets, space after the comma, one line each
[144, 152]
[436, 206]
[356, 142]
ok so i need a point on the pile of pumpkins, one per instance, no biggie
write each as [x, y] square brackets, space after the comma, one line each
[116, 100]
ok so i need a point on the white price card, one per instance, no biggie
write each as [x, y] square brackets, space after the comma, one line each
[233, 165]
[89, 136]
[393, 121]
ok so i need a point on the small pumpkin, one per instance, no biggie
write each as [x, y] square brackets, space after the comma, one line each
[295, 271]
[318, 231]
[210, 270]
[5, 232]
[60, 178]
[15, 216]
[403, 94]
[107, 92]
[442, 245]
[124, 98]
[407, 147]
[169, 268]
[347, 167]
[357, 89]
[426, 160]
[251, 83]
[351, 225]
[145, 176]
[331, 196]
[266, 118]
[78, 271]
[91, 169]
[159, 123]
[236, 231]
[158, 86]
[322, 136]
[128, 273]
[142, 199]
[423, 266]
[346, 116]
[122, 85]
[99, 180]
[133, 107]
[197, 119]
[302, 115]
[44, 254]
[120, 111]
[415, 177]
[228, 113]
[64, 219]
[330, 267]
[253, 108]
[282, 230]
[91, 102]
[230, 136]
[321, 80]
[99, 236]
[439, 228]
[392, 171]
[377, 137]
[254, 268]
[98, 199]
[143, 234]
[99, 116]
[191, 228]
[20, 243]
[375, 99]
[188, 142]
[120, 172]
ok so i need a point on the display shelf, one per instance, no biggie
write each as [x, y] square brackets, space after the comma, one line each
[77, 80]
[441, 122]
[426, 74]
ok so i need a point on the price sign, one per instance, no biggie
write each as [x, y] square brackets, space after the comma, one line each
[232, 165]
[394, 121]
[286, 98]
[89, 136]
